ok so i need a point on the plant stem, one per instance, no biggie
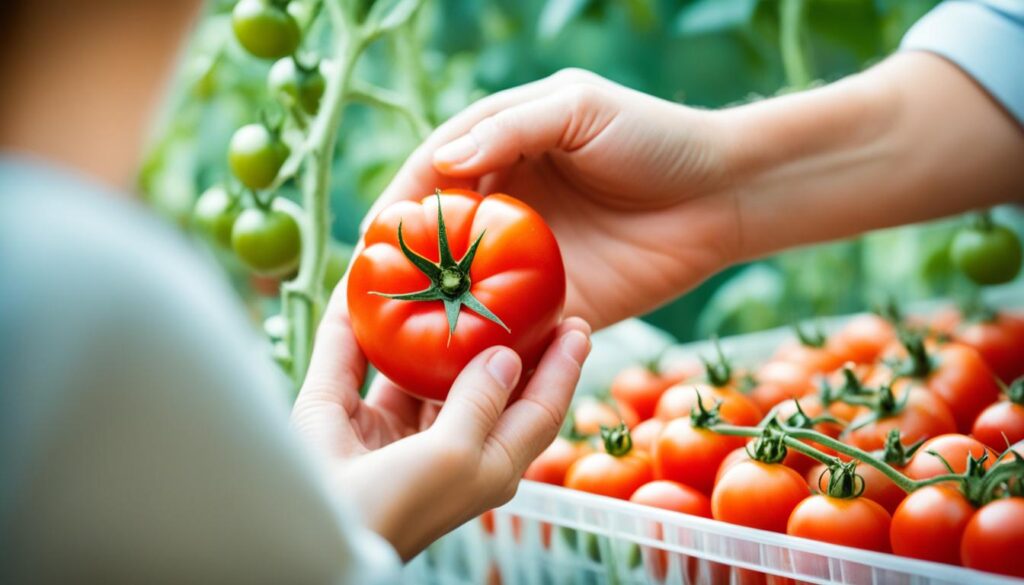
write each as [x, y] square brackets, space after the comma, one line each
[391, 100]
[794, 55]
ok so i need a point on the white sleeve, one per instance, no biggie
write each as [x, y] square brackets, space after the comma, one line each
[144, 435]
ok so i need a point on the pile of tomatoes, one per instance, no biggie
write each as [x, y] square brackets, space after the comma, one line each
[893, 435]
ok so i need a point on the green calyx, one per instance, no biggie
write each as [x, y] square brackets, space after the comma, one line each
[449, 279]
[843, 481]
[702, 417]
[770, 446]
[719, 372]
[895, 452]
[918, 363]
[815, 338]
[617, 440]
[1015, 391]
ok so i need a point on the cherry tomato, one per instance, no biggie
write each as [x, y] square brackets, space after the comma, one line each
[421, 323]
[877, 487]
[673, 496]
[645, 433]
[999, 341]
[758, 495]
[264, 29]
[255, 156]
[267, 241]
[961, 379]
[862, 338]
[691, 455]
[994, 538]
[929, 524]
[215, 213]
[987, 253]
[954, 448]
[680, 400]
[304, 87]
[813, 358]
[922, 415]
[1000, 424]
[616, 472]
[735, 456]
[640, 387]
[554, 462]
[778, 381]
[857, 522]
[590, 414]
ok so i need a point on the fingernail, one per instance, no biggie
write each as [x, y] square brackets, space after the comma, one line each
[456, 152]
[504, 367]
[576, 345]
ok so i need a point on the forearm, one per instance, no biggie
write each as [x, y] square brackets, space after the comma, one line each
[911, 139]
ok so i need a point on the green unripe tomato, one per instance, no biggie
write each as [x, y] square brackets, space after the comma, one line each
[215, 213]
[255, 156]
[264, 29]
[987, 254]
[267, 241]
[305, 88]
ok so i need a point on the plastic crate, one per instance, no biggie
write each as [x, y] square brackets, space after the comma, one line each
[553, 535]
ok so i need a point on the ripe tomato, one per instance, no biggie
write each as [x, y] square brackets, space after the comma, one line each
[778, 381]
[215, 213]
[640, 387]
[691, 455]
[267, 241]
[255, 155]
[930, 523]
[296, 85]
[863, 338]
[994, 538]
[590, 414]
[877, 487]
[857, 522]
[406, 290]
[264, 29]
[554, 462]
[616, 472]
[922, 415]
[958, 375]
[679, 400]
[731, 460]
[999, 424]
[987, 253]
[953, 448]
[645, 433]
[758, 495]
[813, 357]
[673, 496]
[999, 340]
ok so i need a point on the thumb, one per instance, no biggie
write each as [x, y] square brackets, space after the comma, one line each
[565, 120]
[479, 395]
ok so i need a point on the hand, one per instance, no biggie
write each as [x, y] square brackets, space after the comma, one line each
[623, 179]
[415, 470]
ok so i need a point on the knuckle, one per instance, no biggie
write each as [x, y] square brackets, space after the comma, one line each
[573, 75]
[581, 97]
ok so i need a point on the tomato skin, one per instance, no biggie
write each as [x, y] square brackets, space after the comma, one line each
[265, 30]
[255, 156]
[691, 455]
[778, 381]
[267, 241]
[877, 487]
[1000, 342]
[674, 496]
[645, 433]
[554, 462]
[1003, 417]
[758, 495]
[923, 416]
[607, 475]
[994, 538]
[857, 522]
[964, 383]
[954, 448]
[817, 360]
[679, 401]
[929, 524]
[517, 273]
[862, 339]
[640, 388]
[590, 414]
[215, 213]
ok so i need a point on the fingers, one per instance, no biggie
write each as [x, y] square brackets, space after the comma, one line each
[531, 423]
[479, 396]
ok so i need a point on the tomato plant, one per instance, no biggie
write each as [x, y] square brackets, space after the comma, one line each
[616, 472]
[296, 84]
[267, 240]
[994, 538]
[255, 155]
[265, 29]
[441, 280]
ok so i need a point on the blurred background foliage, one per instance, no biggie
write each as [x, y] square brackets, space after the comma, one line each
[703, 53]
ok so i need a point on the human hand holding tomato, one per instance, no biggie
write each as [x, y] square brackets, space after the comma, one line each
[416, 470]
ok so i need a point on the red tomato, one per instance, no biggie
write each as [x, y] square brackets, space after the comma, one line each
[734, 457]
[818, 360]
[778, 381]
[645, 433]
[590, 414]
[640, 388]
[674, 496]
[554, 462]
[857, 522]
[999, 424]
[930, 523]
[681, 399]
[961, 379]
[691, 455]
[877, 487]
[516, 274]
[999, 341]
[863, 338]
[953, 448]
[994, 538]
[922, 416]
[616, 472]
[758, 495]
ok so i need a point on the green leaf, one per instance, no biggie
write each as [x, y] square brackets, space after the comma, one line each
[556, 14]
[711, 16]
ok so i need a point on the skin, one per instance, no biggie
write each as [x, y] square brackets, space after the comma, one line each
[414, 471]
